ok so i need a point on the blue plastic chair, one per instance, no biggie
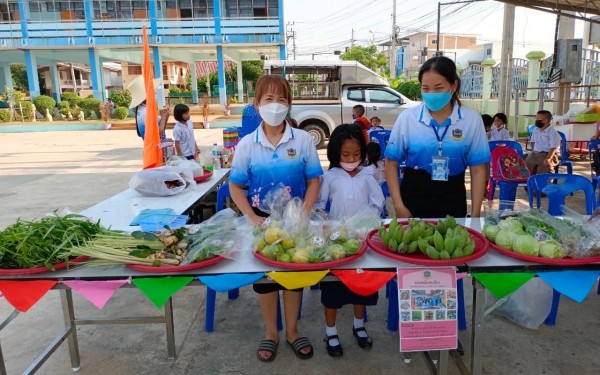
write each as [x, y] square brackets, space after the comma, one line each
[529, 134]
[250, 120]
[382, 137]
[508, 190]
[564, 155]
[594, 147]
[557, 187]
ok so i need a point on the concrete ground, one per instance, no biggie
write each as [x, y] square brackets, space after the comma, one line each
[42, 172]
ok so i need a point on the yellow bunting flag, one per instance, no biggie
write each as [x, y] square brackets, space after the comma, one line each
[296, 280]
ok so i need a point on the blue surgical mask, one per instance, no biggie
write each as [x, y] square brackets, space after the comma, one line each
[436, 100]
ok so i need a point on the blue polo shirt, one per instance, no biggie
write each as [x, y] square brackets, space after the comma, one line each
[261, 166]
[414, 142]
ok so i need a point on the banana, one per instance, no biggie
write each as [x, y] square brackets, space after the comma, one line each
[381, 230]
[432, 253]
[393, 225]
[422, 243]
[408, 236]
[399, 233]
[450, 222]
[444, 255]
[449, 241]
[385, 238]
[402, 248]
[438, 241]
[468, 248]
[413, 247]
[441, 226]
[457, 254]
[393, 245]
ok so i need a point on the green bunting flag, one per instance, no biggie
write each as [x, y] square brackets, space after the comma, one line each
[503, 284]
[160, 289]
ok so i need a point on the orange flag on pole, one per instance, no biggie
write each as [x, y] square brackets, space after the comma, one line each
[152, 153]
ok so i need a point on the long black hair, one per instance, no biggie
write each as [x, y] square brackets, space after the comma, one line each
[338, 136]
[179, 111]
[502, 117]
[447, 69]
[373, 153]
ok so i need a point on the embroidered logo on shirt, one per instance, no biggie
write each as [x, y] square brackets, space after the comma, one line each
[291, 153]
[457, 135]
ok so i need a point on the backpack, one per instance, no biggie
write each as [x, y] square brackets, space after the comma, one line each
[508, 165]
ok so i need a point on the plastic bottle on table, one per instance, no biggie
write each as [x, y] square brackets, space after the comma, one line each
[217, 161]
[215, 150]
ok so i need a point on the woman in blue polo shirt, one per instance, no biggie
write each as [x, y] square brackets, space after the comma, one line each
[275, 153]
[438, 134]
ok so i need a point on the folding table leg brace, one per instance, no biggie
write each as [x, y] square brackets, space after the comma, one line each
[477, 328]
[2, 325]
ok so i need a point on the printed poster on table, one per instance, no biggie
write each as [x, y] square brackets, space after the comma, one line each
[428, 308]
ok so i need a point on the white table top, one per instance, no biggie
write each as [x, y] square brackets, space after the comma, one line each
[118, 210]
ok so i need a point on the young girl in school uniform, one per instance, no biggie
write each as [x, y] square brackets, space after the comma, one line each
[183, 133]
[348, 186]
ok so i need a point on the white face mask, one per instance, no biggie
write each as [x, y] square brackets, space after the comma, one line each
[349, 167]
[273, 114]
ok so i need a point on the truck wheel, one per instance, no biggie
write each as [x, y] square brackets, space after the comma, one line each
[317, 134]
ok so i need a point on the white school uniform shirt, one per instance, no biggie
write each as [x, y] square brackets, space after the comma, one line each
[499, 134]
[260, 166]
[184, 133]
[348, 195]
[544, 140]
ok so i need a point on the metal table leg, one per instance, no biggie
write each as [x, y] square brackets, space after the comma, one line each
[477, 328]
[66, 298]
[170, 328]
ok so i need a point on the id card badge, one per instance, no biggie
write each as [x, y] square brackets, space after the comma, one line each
[439, 168]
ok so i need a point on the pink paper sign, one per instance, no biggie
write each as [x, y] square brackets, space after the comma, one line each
[427, 300]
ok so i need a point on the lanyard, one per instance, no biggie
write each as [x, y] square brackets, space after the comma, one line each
[437, 135]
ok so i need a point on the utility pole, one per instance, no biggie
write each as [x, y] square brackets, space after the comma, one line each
[504, 92]
[352, 39]
[291, 33]
[393, 45]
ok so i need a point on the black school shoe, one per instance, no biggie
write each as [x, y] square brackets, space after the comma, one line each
[363, 342]
[335, 351]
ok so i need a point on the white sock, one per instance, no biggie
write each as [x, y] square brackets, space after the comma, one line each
[332, 331]
[360, 323]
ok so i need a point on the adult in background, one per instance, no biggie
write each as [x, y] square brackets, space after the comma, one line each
[275, 153]
[138, 101]
[545, 141]
[438, 131]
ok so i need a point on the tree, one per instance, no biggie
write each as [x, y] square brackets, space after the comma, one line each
[252, 70]
[19, 77]
[368, 56]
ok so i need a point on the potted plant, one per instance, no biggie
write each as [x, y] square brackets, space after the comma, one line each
[228, 106]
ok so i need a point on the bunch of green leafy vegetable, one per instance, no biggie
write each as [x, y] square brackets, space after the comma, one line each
[43, 242]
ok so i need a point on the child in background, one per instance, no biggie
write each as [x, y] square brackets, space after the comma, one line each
[374, 159]
[488, 121]
[376, 122]
[499, 132]
[348, 187]
[358, 114]
[183, 133]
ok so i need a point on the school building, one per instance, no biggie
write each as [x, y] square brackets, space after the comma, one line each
[47, 34]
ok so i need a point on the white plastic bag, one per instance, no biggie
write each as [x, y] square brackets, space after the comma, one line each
[529, 305]
[162, 181]
[181, 164]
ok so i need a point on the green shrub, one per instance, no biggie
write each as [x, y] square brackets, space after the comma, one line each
[72, 98]
[43, 103]
[5, 115]
[174, 89]
[121, 112]
[64, 107]
[25, 107]
[90, 105]
[121, 98]
[410, 88]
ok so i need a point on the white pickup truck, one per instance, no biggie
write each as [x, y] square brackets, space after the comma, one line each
[325, 92]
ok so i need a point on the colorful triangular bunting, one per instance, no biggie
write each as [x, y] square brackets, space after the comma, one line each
[24, 294]
[97, 292]
[225, 282]
[573, 284]
[363, 283]
[160, 289]
[296, 280]
[503, 284]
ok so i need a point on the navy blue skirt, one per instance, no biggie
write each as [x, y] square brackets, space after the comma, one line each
[335, 294]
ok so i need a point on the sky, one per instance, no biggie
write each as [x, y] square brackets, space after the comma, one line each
[322, 26]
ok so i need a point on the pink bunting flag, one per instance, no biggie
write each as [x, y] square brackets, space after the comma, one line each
[97, 292]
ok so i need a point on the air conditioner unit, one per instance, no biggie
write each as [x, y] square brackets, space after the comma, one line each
[568, 59]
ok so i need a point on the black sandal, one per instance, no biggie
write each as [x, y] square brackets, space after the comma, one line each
[298, 345]
[334, 351]
[268, 346]
[363, 342]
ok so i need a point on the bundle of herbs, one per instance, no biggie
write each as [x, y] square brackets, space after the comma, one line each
[44, 242]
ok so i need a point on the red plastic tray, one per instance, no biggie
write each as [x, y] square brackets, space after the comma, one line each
[206, 176]
[313, 266]
[29, 271]
[541, 260]
[172, 269]
[375, 243]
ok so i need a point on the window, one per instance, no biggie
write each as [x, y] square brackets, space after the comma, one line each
[134, 70]
[383, 96]
[358, 95]
[273, 8]
[434, 41]
[34, 6]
